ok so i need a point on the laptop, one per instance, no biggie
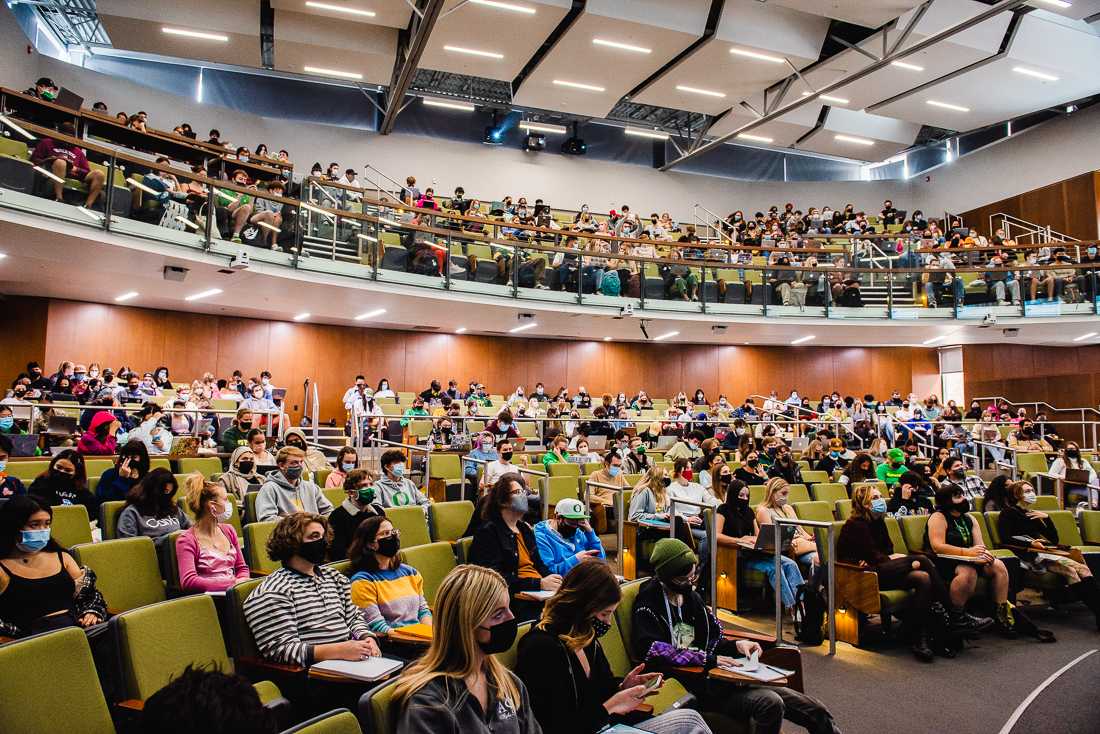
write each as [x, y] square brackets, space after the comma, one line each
[70, 99]
[184, 447]
[23, 445]
[597, 443]
[62, 425]
[278, 394]
[765, 539]
[800, 443]
[664, 443]
[1078, 477]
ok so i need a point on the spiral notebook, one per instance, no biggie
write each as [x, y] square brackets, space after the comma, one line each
[368, 670]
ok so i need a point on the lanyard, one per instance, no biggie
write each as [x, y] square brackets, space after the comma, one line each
[963, 528]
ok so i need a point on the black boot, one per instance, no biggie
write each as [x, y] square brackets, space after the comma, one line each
[965, 622]
[1005, 622]
[1088, 592]
[921, 649]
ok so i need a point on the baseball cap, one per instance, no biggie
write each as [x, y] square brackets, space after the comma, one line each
[895, 455]
[571, 509]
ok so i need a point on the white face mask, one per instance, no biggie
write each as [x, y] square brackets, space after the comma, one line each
[1029, 498]
[225, 514]
[780, 501]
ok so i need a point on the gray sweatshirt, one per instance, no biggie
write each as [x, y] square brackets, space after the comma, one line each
[278, 497]
[399, 493]
[132, 524]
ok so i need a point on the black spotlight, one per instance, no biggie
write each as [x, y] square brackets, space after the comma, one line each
[574, 145]
[534, 142]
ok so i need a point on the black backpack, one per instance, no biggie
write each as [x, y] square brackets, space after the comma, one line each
[809, 614]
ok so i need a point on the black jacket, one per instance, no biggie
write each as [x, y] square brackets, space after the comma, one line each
[494, 546]
[343, 523]
[1014, 521]
[54, 493]
[792, 473]
[562, 699]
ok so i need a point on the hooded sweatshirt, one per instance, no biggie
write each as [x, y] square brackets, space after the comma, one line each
[278, 497]
[315, 458]
[399, 493]
[235, 482]
[90, 444]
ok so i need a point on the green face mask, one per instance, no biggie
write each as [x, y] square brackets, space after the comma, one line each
[49, 95]
[366, 495]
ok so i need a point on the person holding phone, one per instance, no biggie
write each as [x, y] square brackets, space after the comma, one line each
[130, 468]
[567, 538]
[566, 671]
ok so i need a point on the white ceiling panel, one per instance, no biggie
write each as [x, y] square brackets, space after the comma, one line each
[143, 36]
[861, 136]
[514, 36]
[357, 48]
[944, 14]
[576, 58]
[1077, 10]
[390, 13]
[232, 16]
[867, 13]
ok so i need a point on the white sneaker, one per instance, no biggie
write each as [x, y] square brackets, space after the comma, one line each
[1002, 303]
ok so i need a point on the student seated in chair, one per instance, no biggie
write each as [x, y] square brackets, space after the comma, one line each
[506, 544]
[394, 488]
[130, 468]
[241, 474]
[208, 554]
[674, 628]
[389, 593]
[361, 503]
[65, 482]
[9, 486]
[67, 161]
[41, 586]
[285, 492]
[567, 538]
[910, 496]
[302, 613]
[459, 685]
[210, 701]
[1020, 520]
[151, 509]
[865, 541]
[237, 434]
[567, 673]
[315, 459]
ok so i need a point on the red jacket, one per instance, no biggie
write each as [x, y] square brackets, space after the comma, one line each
[90, 445]
[48, 148]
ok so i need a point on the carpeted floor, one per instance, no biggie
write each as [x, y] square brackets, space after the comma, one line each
[887, 691]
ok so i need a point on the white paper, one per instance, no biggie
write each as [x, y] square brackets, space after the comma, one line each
[536, 595]
[369, 670]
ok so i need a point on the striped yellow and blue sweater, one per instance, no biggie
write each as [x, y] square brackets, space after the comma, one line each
[390, 598]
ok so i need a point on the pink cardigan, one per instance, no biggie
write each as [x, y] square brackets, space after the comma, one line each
[187, 554]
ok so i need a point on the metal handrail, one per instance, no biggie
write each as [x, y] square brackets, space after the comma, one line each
[619, 511]
[197, 413]
[710, 516]
[831, 566]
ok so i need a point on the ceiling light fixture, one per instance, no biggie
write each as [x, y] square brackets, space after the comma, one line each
[578, 85]
[1036, 74]
[460, 330]
[697, 90]
[853, 139]
[1083, 337]
[755, 138]
[302, 316]
[331, 72]
[340, 9]
[542, 127]
[370, 314]
[127, 297]
[947, 106]
[669, 335]
[622, 46]
[828, 98]
[1060, 4]
[934, 339]
[201, 35]
[473, 52]
[4, 119]
[804, 339]
[203, 294]
[525, 327]
[504, 6]
[449, 105]
[654, 134]
[757, 55]
[906, 65]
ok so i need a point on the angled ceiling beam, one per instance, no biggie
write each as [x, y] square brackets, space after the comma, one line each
[930, 41]
[548, 45]
[908, 29]
[709, 30]
[411, 43]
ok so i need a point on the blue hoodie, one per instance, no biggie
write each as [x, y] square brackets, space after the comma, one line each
[559, 553]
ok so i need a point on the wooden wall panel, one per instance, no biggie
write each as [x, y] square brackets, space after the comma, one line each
[1071, 206]
[25, 322]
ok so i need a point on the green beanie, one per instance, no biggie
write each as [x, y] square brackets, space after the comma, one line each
[671, 558]
[896, 455]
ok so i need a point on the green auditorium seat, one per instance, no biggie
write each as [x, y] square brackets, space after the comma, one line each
[71, 525]
[557, 488]
[208, 466]
[434, 561]
[1046, 503]
[127, 572]
[1068, 532]
[813, 476]
[26, 471]
[450, 519]
[447, 468]
[255, 547]
[565, 470]
[339, 721]
[411, 523]
[912, 530]
[335, 495]
[462, 549]
[819, 511]
[1090, 527]
[108, 518]
[843, 509]
[374, 708]
[509, 656]
[828, 492]
[798, 493]
[50, 685]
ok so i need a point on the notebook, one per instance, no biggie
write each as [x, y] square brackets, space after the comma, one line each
[761, 672]
[535, 595]
[419, 631]
[368, 670]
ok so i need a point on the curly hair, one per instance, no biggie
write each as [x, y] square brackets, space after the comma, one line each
[286, 538]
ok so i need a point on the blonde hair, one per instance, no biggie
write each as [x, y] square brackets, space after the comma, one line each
[654, 481]
[198, 491]
[773, 485]
[289, 452]
[466, 598]
[861, 500]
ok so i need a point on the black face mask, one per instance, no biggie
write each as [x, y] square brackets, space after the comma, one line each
[666, 481]
[506, 455]
[679, 588]
[389, 546]
[1072, 453]
[245, 425]
[501, 637]
[567, 531]
[60, 477]
[314, 551]
[600, 627]
[246, 467]
[753, 463]
[740, 502]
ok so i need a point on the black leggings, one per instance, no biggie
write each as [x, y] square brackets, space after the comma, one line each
[924, 581]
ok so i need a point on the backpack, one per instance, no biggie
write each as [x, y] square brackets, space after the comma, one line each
[526, 276]
[610, 285]
[809, 614]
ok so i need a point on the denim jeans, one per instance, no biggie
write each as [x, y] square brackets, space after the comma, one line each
[791, 577]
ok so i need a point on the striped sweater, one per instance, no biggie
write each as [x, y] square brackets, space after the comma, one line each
[390, 598]
[289, 613]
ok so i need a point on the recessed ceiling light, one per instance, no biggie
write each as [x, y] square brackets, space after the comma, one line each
[697, 90]
[622, 46]
[655, 134]
[607, 338]
[543, 127]
[4, 119]
[852, 139]
[906, 65]
[370, 314]
[201, 35]
[828, 98]
[126, 297]
[578, 85]
[3, 255]
[669, 335]
[1033, 73]
[1083, 337]
[473, 52]
[331, 72]
[804, 339]
[340, 9]
[525, 327]
[757, 55]
[302, 316]
[449, 105]
[504, 6]
[934, 339]
[1060, 4]
[948, 106]
[460, 330]
[203, 294]
[755, 138]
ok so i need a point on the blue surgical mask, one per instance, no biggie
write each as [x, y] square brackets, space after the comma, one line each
[519, 503]
[878, 506]
[398, 470]
[3, 466]
[33, 541]
[7, 423]
[345, 466]
[614, 471]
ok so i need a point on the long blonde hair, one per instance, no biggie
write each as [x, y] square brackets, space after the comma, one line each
[654, 482]
[198, 491]
[773, 485]
[466, 598]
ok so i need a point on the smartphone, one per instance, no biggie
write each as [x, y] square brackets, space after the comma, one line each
[653, 684]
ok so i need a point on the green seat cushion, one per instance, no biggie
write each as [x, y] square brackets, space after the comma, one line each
[893, 599]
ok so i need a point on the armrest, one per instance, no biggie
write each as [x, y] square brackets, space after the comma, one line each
[739, 634]
[132, 704]
[266, 665]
